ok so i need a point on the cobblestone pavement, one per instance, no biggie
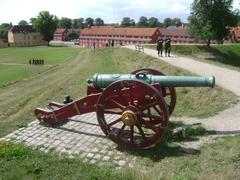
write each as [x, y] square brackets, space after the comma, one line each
[80, 136]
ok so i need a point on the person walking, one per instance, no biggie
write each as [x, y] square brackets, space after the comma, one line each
[167, 47]
[160, 46]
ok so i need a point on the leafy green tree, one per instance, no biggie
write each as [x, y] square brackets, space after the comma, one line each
[172, 22]
[78, 23]
[153, 22]
[211, 19]
[4, 27]
[46, 24]
[167, 22]
[32, 20]
[126, 22]
[89, 21]
[177, 22]
[23, 23]
[65, 23]
[99, 22]
[73, 35]
[143, 21]
[132, 22]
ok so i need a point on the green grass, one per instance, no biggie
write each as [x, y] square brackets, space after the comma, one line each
[220, 160]
[20, 162]
[51, 55]
[221, 55]
[11, 74]
[18, 101]
[14, 62]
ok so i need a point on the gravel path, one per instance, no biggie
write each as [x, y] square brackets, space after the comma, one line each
[227, 121]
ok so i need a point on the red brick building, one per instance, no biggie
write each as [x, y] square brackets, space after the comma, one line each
[102, 36]
[60, 34]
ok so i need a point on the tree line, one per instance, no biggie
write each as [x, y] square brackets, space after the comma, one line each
[81, 23]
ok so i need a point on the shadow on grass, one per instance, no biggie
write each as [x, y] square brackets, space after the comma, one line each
[167, 146]
[228, 57]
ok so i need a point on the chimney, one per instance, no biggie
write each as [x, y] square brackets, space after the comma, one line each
[89, 26]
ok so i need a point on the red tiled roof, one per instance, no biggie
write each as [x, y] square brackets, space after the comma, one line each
[101, 30]
[60, 30]
[174, 32]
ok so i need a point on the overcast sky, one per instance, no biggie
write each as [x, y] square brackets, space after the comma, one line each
[109, 10]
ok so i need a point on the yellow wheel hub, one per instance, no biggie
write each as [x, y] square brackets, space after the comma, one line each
[129, 118]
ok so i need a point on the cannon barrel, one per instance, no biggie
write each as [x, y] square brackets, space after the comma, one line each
[104, 80]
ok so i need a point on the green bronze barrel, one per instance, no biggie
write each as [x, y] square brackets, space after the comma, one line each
[104, 80]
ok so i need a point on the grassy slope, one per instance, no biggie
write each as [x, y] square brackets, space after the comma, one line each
[18, 100]
[15, 66]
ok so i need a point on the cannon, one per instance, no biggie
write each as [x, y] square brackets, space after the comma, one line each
[132, 109]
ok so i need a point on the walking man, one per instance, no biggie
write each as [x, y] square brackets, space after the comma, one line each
[160, 46]
[167, 47]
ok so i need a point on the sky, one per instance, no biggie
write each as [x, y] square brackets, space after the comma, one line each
[111, 11]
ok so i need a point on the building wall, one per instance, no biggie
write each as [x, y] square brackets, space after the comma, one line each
[102, 41]
[25, 39]
[60, 37]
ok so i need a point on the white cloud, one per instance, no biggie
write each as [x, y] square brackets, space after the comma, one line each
[108, 10]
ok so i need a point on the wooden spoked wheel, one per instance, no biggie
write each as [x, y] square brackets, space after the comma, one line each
[169, 93]
[124, 114]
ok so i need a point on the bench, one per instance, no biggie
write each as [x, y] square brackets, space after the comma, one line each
[139, 48]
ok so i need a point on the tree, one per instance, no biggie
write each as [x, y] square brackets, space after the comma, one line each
[177, 22]
[78, 23]
[65, 23]
[132, 22]
[167, 22]
[4, 27]
[143, 22]
[211, 19]
[73, 35]
[89, 21]
[172, 22]
[99, 22]
[126, 22]
[153, 22]
[23, 23]
[238, 19]
[32, 20]
[46, 24]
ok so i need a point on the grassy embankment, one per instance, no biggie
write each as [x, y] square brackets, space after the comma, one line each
[222, 55]
[17, 101]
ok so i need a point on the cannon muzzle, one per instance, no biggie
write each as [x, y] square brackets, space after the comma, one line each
[104, 80]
